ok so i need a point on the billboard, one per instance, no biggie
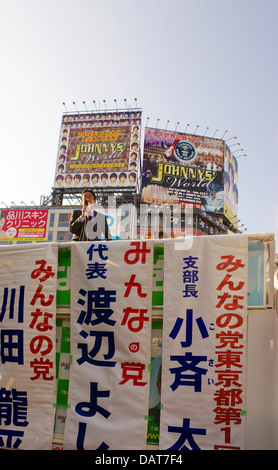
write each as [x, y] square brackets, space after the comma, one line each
[23, 225]
[99, 149]
[230, 186]
[183, 168]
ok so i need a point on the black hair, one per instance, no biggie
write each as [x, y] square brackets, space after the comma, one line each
[89, 190]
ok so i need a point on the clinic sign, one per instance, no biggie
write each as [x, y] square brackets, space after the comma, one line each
[23, 225]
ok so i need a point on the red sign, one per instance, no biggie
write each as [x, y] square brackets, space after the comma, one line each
[24, 225]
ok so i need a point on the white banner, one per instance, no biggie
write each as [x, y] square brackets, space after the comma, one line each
[28, 284]
[204, 344]
[111, 295]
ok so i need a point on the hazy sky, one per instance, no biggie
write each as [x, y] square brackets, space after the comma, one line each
[211, 63]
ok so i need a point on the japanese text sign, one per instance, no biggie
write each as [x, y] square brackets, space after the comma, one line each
[23, 225]
[204, 344]
[111, 301]
[27, 345]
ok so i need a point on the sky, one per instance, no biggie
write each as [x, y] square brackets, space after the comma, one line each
[207, 63]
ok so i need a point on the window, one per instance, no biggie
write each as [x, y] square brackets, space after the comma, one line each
[63, 220]
[52, 218]
[61, 236]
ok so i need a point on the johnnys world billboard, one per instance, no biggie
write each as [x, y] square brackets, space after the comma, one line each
[99, 149]
[183, 168]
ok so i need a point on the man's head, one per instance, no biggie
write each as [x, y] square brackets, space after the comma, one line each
[88, 196]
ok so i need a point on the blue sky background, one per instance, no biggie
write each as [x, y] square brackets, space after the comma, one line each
[211, 63]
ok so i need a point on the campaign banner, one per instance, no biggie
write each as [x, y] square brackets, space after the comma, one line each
[111, 308]
[28, 285]
[23, 225]
[100, 149]
[185, 169]
[204, 344]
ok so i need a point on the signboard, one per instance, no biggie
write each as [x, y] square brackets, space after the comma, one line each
[23, 225]
[111, 307]
[27, 346]
[230, 187]
[110, 372]
[183, 168]
[99, 150]
[203, 393]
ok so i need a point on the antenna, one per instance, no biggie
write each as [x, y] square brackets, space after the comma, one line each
[243, 155]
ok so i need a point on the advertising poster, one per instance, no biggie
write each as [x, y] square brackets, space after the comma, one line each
[230, 187]
[27, 346]
[100, 149]
[111, 308]
[183, 169]
[23, 225]
[203, 392]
